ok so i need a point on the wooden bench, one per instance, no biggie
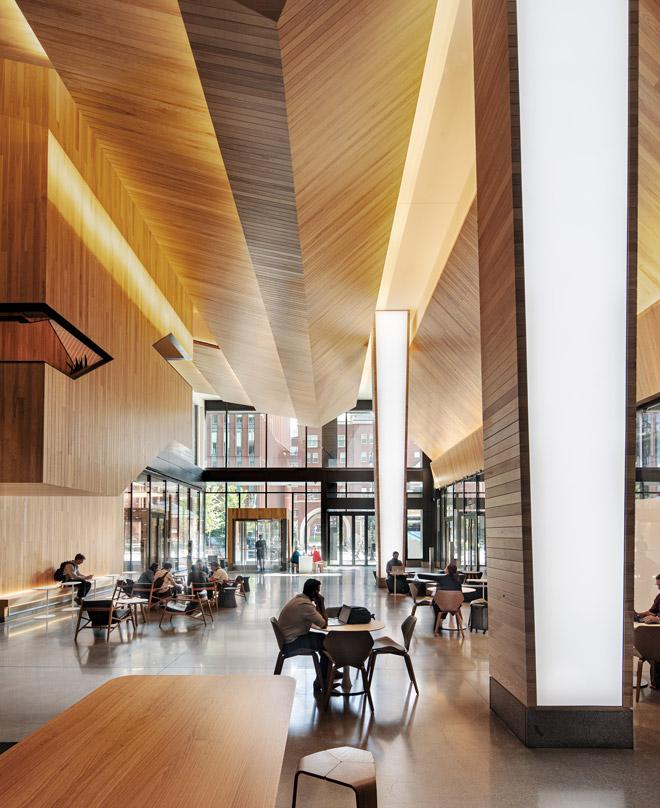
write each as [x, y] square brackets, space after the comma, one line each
[30, 599]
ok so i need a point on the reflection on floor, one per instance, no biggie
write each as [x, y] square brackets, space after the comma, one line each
[443, 748]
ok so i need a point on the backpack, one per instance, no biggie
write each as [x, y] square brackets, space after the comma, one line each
[359, 615]
[58, 575]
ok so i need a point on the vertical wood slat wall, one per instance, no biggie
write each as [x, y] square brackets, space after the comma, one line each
[503, 366]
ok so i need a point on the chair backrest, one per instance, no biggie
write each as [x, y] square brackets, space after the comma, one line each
[98, 611]
[278, 633]
[448, 600]
[407, 629]
[646, 640]
[348, 648]
[199, 590]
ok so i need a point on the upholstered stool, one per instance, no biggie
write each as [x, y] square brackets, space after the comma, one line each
[228, 597]
[345, 766]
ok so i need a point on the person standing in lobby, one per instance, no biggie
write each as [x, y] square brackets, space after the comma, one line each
[260, 547]
[72, 573]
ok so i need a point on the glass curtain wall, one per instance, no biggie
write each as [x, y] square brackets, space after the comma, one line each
[461, 523]
[162, 522]
[301, 500]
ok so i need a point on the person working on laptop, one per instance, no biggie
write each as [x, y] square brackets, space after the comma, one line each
[297, 618]
[652, 615]
[400, 580]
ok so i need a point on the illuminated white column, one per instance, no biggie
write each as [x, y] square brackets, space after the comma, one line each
[573, 80]
[390, 394]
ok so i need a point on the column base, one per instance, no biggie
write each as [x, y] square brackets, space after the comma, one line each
[557, 727]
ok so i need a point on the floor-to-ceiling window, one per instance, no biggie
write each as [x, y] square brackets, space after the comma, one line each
[462, 524]
[162, 522]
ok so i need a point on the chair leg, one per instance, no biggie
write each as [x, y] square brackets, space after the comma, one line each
[459, 623]
[75, 639]
[640, 665]
[438, 623]
[295, 790]
[411, 672]
[414, 608]
[367, 687]
[372, 666]
[279, 664]
[328, 686]
[160, 622]
[317, 668]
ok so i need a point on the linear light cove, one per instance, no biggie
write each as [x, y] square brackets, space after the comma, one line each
[573, 80]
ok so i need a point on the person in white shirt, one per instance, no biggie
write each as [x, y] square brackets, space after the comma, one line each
[218, 573]
[164, 583]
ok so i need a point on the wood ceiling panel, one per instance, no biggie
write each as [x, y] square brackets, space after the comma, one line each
[351, 73]
[445, 356]
[238, 59]
[649, 154]
[130, 70]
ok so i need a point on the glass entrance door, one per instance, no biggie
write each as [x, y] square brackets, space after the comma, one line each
[246, 534]
[351, 539]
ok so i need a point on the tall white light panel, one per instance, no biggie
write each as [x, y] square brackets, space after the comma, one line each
[573, 70]
[391, 398]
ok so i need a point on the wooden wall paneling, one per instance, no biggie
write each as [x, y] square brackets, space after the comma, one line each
[23, 178]
[162, 146]
[37, 533]
[648, 353]
[213, 365]
[21, 421]
[506, 451]
[237, 53]
[649, 154]
[445, 362]
[351, 73]
[17, 40]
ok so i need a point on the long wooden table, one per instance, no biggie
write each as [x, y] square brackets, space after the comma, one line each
[157, 740]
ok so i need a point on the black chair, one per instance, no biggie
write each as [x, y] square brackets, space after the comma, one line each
[290, 654]
[348, 649]
[101, 614]
[386, 645]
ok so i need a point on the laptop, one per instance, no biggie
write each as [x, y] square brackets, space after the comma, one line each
[342, 618]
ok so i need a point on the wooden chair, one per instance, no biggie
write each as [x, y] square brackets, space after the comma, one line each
[193, 607]
[448, 601]
[146, 591]
[101, 614]
[345, 766]
[204, 592]
[646, 642]
[348, 649]
[284, 655]
[418, 600]
[386, 645]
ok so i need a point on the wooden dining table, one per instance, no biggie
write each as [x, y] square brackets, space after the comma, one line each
[157, 740]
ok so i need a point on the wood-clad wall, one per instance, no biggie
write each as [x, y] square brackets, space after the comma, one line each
[95, 433]
[466, 457]
[506, 450]
[445, 363]
[648, 353]
[37, 533]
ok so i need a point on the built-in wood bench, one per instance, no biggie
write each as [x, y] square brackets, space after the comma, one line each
[28, 600]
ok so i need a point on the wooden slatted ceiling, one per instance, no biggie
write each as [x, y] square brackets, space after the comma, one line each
[445, 356]
[351, 73]
[129, 68]
[649, 154]
[238, 59]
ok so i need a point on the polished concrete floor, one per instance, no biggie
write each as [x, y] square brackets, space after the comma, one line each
[442, 748]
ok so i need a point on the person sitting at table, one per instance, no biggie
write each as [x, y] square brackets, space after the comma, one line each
[400, 579]
[295, 560]
[202, 565]
[652, 615]
[71, 572]
[296, 619]
[218, 574]
[147, 576]
[197, 575]
[449, 581]
[164, 584]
